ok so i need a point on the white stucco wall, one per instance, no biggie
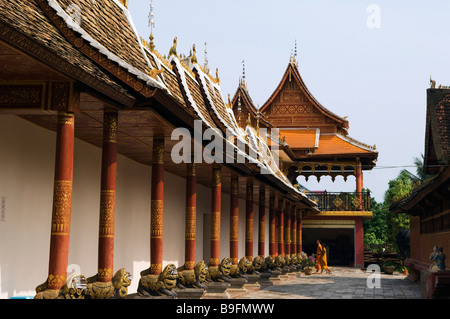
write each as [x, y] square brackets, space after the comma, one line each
[27, 154]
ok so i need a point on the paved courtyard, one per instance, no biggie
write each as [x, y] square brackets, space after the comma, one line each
[342, 283]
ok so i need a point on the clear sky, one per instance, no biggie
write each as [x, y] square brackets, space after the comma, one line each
[368, 60]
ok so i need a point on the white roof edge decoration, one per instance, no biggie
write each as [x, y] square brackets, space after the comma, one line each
[75, 27]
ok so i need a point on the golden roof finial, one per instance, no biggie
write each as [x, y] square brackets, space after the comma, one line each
[257, 125]
[194, 57]
[249, 120]
[152, 45]
[217, 76]
[173, 49]
[125, 3]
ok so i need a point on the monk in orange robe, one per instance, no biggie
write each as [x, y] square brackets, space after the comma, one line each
[322, 258]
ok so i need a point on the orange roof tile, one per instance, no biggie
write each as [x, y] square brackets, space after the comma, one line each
[301, 138]
[337, 144]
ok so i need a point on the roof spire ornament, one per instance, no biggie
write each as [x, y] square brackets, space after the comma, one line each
[125, 3]
[151, 24]
[206, 66]
[239, 109]
[242, 80]
[173, 49]
[194, 56]
[217, 76]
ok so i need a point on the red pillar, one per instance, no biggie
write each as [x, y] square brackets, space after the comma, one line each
[359, 242]
[62, 202]
[262, 222]
[234, 221]
[293, 230]
[272, 226]
[299, 232]
[249, 223]
[358, 173]
[191, 216]
[215, 216]
[157, 207]
[107, 198]
[281, 206]
[287, 230]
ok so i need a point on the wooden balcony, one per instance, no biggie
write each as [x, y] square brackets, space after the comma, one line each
[332, 202]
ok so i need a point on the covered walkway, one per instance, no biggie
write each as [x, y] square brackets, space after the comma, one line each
[342, 283]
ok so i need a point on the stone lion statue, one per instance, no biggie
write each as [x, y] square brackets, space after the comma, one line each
[244, 266]
[222, 272]
[158, 285]
[258, 265]
[193, 278]
[270, 263]
[115, 289]
[75, 288]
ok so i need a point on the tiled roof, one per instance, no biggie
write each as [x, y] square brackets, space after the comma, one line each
[28, 18]
[104, 21]
[337, 144]
[439, 125]
[168, 77]
[301, 138]
[107, 28]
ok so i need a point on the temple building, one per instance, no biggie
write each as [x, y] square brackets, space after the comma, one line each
[429, 204]
[124, 172]
[313, 141]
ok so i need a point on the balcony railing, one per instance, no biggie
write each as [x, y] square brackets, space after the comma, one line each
[341, 201]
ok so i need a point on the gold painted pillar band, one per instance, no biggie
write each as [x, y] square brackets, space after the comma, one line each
[62, 202]
[215, 216]
[262, 222]
[191, 216]
[157, 207]
[272, 226]
[249, 222]
[234, 220]
[107, 198]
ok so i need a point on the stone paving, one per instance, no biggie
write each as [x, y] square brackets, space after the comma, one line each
[342, 283]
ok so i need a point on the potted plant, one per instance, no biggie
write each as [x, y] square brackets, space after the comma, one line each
[388, 268]
[308, 262]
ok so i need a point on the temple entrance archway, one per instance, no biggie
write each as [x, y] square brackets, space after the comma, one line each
[340, 242]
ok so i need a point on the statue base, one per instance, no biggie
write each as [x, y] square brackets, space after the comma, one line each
[252, 281]
[275, 276]
[189, 293]
[216, 290]
[237, 287]
[264, 280]
[136, 296]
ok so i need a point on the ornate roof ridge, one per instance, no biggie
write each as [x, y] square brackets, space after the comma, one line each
[354, 142]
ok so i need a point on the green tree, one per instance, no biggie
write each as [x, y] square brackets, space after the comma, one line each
[399, 188]
[375, 228]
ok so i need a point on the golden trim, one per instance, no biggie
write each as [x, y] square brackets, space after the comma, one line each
[110, 127]
[62, 207]
[158, 151]
[156, 227]
[343, 213]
